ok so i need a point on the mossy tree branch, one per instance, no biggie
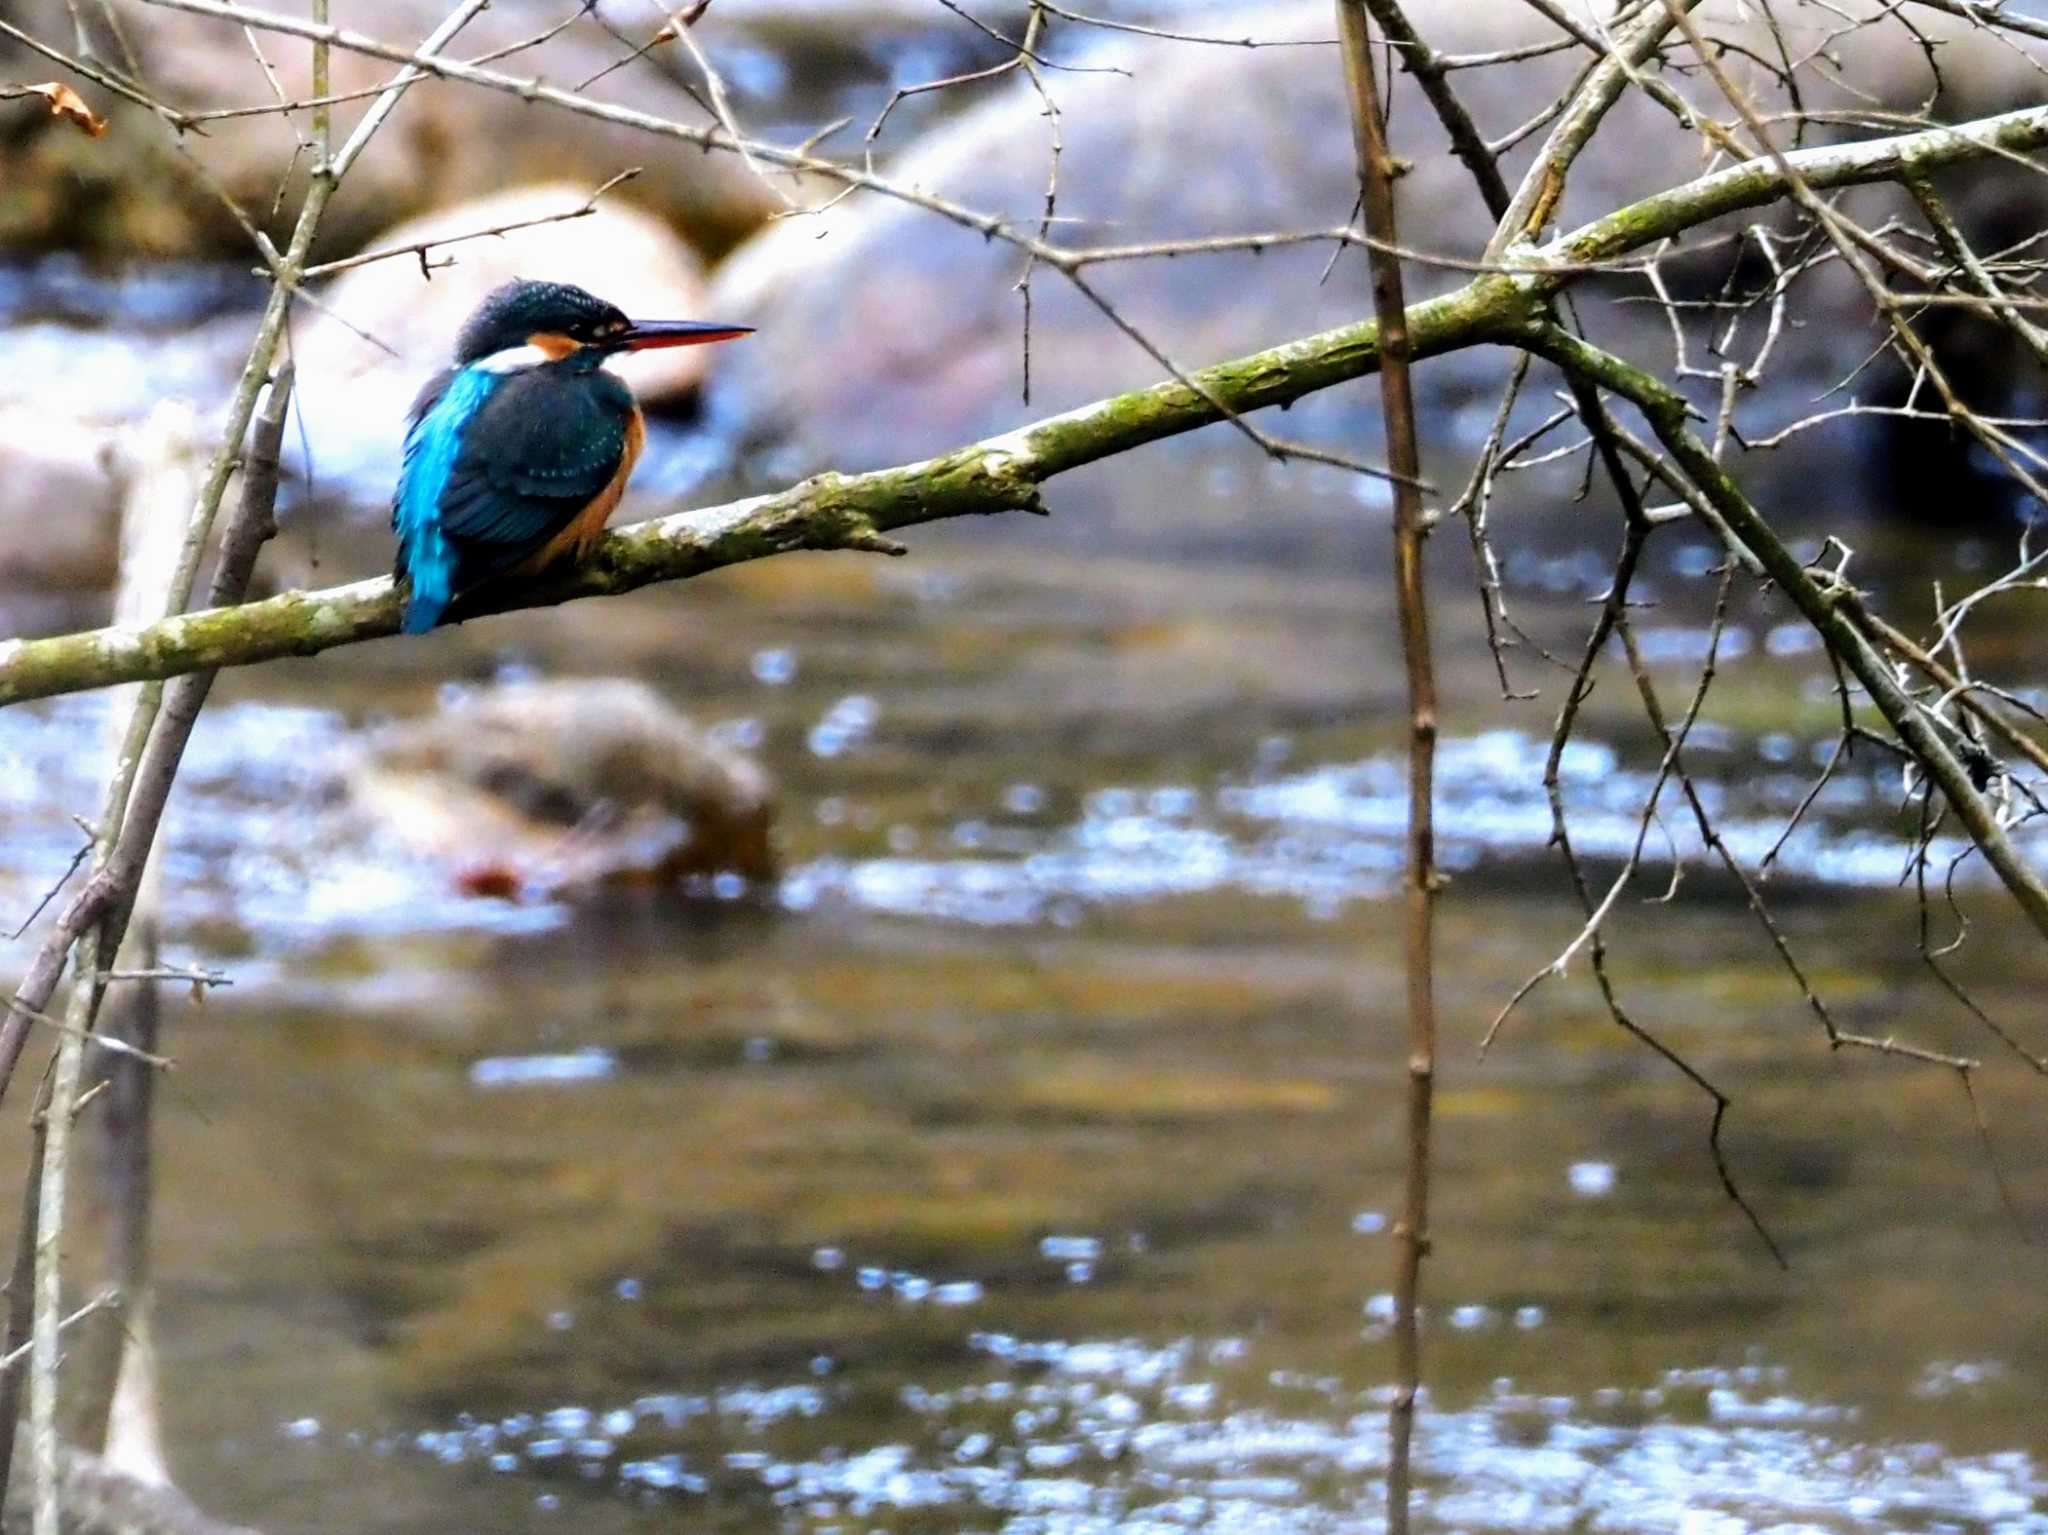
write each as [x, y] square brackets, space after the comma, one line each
[1002, 473]
[829, 511]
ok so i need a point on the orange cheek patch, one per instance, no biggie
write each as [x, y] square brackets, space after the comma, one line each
[555, 345]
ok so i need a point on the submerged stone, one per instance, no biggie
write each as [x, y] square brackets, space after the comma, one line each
[568, 786]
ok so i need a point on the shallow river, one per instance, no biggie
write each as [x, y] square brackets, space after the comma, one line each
[1024, 1158]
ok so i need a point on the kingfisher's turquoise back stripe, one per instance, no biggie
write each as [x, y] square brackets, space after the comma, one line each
[430, 453]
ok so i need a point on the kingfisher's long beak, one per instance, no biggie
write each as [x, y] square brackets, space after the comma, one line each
[644, 335]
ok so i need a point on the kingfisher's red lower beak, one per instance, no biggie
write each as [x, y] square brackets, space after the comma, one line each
[645, 335]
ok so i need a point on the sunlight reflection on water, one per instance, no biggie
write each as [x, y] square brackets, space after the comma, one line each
[1095, 1436]
[260, 835]
[1333, 834]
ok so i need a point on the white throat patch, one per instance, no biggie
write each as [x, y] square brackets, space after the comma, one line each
[512, 359]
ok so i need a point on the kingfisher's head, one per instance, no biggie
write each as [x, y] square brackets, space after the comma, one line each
[559, 319]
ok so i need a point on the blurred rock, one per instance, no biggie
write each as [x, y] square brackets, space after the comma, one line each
[60, 503]
[888, 332]
[165, 460]
[569, 786]
[793, 65]
[129, 193]
[356, 390]
[786, 64]
[100, 1498]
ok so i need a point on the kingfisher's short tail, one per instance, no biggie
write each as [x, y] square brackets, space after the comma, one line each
[427, 563]
[422, 612]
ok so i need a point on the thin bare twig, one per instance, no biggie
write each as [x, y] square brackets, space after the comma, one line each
[1397, 410]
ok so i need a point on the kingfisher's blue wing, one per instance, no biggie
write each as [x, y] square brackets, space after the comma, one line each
[428, 397]
[536, 452]
[495, 466]
[426, 561]
[408, 503]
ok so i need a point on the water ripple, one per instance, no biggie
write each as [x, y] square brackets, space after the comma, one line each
[1335, 833]
[261, 835]
[1098, 1436]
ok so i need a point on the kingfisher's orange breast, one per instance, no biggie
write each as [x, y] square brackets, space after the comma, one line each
[587, 527]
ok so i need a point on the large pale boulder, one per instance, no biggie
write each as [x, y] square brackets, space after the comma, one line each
[788, 65]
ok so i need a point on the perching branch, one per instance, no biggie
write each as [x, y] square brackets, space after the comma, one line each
[1002, 473]
[829, 511]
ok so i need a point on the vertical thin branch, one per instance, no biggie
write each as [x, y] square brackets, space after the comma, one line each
[150, 546]
[144, 770]
[48, 1303]
[122, 1195]
[323, 114]
[21, 1283]
[1397, 404]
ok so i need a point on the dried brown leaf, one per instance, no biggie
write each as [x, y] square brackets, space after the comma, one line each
[69, 105]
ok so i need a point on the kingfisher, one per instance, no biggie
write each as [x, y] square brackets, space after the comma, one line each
[517, 453]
